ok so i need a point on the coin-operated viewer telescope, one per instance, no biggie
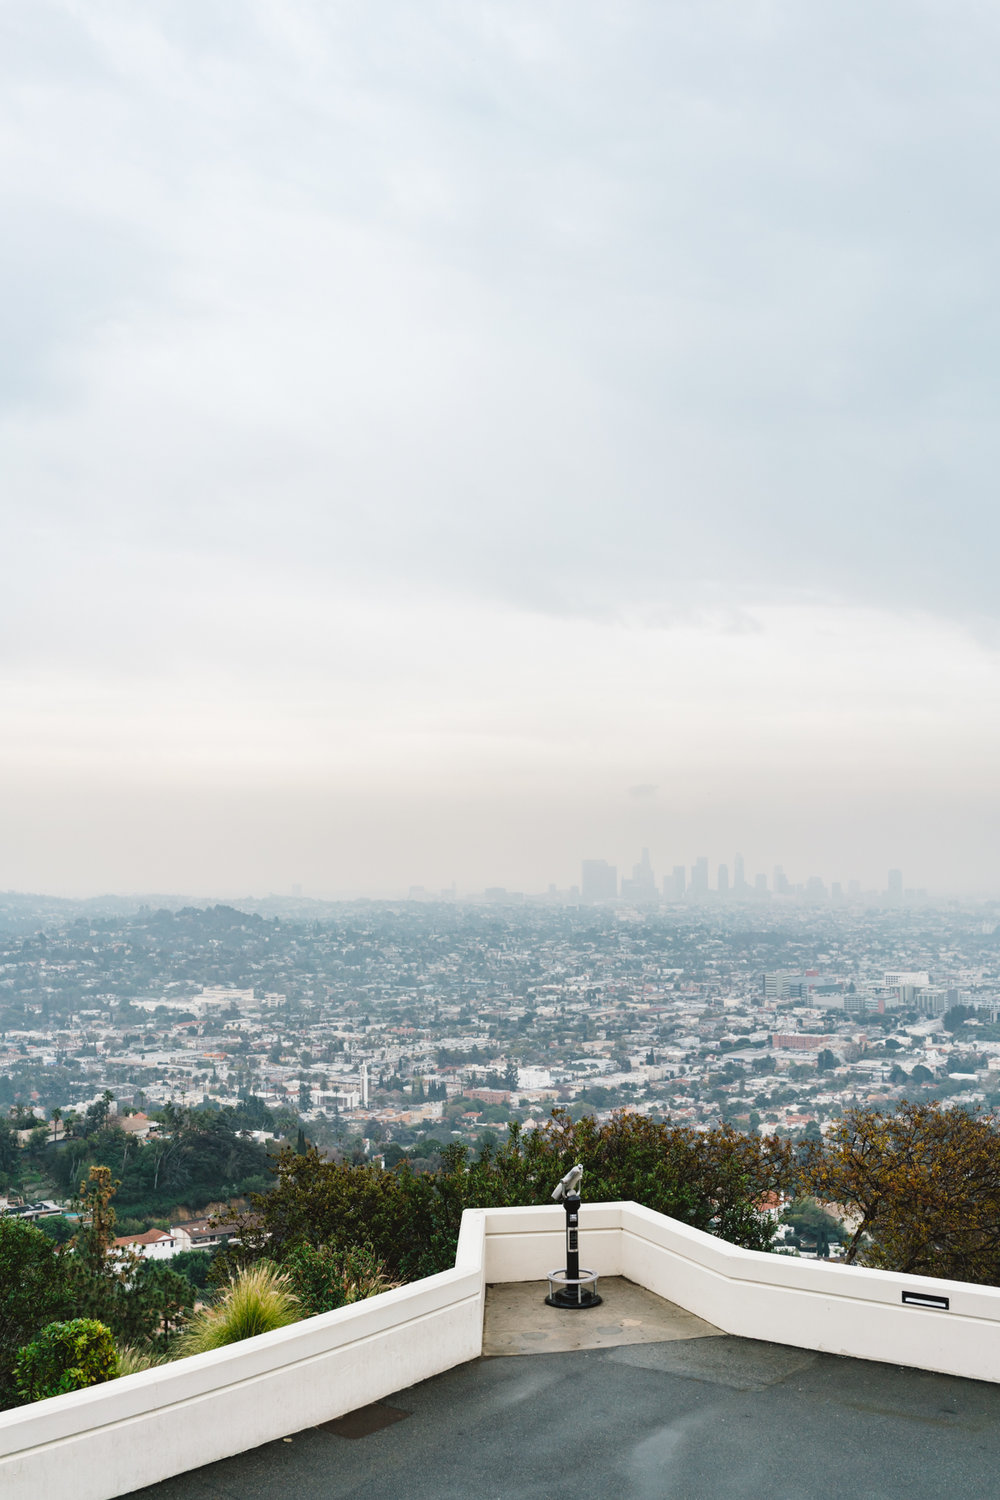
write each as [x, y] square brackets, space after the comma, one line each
[571, 1287]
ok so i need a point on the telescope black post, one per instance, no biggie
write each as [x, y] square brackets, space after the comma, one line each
[568, 1288]
[571, 1203]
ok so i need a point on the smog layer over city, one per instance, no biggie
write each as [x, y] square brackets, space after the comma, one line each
[501, 640]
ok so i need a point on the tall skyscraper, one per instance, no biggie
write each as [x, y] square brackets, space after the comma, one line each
[598, 880]
[781, 886]
[739, 875]
[699, 876]
[674, 885]
[642, 886]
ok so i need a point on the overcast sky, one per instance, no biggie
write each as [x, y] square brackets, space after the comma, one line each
[444, 441]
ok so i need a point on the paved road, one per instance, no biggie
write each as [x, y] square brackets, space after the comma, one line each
[699, 1419]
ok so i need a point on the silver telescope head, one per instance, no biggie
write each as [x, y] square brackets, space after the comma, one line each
[569, 1184]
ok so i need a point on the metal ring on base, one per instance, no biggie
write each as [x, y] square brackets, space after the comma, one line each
[575, 1292]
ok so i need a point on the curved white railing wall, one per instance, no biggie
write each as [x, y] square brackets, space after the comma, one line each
[809, 1304]
[113, 1438]
[820, 1305]
[103, 1442]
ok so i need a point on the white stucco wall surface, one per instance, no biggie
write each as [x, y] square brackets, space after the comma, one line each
[103, 1442]
[110, 1439]
[810, 1304]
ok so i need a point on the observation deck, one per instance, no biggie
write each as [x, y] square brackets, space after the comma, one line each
[708, 1371]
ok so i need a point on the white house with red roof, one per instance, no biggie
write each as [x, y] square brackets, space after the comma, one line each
[155, 1244]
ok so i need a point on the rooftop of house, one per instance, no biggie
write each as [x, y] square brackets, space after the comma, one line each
[149, 1237]
[649, 1402]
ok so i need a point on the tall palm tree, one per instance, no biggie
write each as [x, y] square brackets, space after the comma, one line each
[56, 1117]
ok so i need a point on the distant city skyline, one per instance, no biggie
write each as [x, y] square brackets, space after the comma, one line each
[598, 880]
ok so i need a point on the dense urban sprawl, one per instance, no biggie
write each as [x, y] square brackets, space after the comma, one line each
[389, 1022]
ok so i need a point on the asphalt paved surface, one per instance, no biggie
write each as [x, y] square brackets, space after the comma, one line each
[693, 1419]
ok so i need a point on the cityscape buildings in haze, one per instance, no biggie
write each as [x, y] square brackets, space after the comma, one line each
[642, 886]
[599, 882]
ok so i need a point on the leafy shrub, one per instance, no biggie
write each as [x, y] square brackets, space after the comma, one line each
[33, 1291]
[57, 1228]
[922, 1183]
[256, 1300]
[325, 1278]
[713, 1180]
[65, 1357]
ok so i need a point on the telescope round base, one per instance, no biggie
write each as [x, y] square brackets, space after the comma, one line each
[573, 1293]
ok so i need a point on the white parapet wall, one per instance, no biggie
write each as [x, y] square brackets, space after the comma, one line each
[837, 1309]
[110, 1439]
[113, 1438]
[524, 1244]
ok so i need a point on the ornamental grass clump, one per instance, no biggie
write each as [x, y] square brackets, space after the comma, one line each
[132, 1359]
[256, 1300]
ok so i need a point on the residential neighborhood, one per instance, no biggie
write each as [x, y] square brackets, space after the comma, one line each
[379, 1026]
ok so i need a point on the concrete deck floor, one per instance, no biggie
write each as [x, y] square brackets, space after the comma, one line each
[684, 1416]
[518, 1321]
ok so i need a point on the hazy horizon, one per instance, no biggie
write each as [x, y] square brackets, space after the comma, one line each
[447, 444]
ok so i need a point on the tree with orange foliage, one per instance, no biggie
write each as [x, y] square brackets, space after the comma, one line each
[923, 1183]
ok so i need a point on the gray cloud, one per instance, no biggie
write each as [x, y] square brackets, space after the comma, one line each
[576, 308]
[639, 317]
